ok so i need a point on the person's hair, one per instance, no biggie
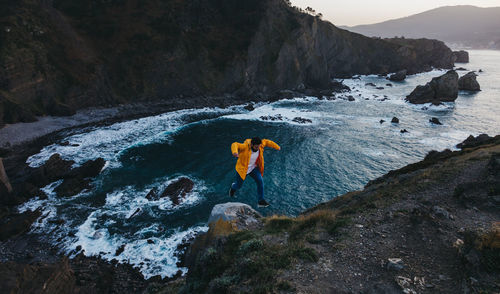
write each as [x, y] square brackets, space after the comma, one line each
[256, 141]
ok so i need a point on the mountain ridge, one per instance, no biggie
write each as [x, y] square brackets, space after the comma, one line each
[477, 27]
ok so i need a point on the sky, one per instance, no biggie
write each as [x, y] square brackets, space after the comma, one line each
[356, 12]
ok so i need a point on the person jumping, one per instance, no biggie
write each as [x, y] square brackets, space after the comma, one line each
[250, 155]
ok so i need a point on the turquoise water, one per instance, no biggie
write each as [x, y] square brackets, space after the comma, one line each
[343, 148]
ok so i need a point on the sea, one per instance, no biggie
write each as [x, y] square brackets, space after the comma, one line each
[341, 148]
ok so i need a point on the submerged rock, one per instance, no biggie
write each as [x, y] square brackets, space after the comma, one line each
[440, 89]
[398, 76]
[468, 82]
[177, 190]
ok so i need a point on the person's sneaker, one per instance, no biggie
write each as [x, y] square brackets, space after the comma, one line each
[263, 203]
[231, 192]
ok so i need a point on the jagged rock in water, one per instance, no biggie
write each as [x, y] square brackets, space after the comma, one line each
[435, 120]
[177, 190]
[55, 168]
[382, 121]
[338, 86]
[472, 141]
[301, 120]
[277, 117]
[78, 178]
[461, 56]
[440, 89]
[239, 214]
[398, 76]
[249, 107]
[395, 120]
[72, 186]
[404, 131]
[468, 82]
[136, 212]
[153, 194]
[89, 169]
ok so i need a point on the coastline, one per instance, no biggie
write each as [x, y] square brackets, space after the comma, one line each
[18, 134]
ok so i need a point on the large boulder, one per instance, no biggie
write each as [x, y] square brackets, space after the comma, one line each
[55, 168]
[461, 56]
[468, 82]
[89, 169]
[440, 89]
[240, 215]
[177, 190]
[398, 76]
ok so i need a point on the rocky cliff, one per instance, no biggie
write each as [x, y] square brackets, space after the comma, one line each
[60, 56]
[429, 227]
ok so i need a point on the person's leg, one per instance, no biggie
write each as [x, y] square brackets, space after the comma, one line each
[255, 174]
[238, 182]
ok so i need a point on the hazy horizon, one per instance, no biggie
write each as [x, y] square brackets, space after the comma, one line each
[360, 12]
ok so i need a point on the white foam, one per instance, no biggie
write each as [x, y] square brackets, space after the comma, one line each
[127, 200]
[152, 259]
[283, 110]
[446, 140]
[108, 141]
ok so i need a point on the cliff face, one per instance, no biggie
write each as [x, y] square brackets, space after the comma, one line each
[59, 56]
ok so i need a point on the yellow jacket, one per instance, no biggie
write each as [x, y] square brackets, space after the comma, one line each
[245, 151]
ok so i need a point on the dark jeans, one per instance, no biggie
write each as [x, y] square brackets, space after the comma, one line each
[255, 174]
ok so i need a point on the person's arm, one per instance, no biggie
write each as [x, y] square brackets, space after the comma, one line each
[235, 148]
[269, 143]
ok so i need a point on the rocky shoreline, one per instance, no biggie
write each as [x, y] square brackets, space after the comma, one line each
[415, 201]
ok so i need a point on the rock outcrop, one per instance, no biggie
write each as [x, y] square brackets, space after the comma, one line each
[440, 89]
[435, 121]
[469, 82]
[177, 190]
[175, 52]
[461, 56]
[16, 224]
[398, 76]
[240, 215]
